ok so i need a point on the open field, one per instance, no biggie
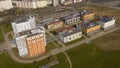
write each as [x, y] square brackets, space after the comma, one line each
[63, 61]
[90, 56]
[1, 36]
[7, 62]
[109, 42]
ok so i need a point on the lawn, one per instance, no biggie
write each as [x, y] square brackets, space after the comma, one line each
[90, 56]
[50, 46]
[109, 42]
[7, 62]
[63, 61]
[1, 36]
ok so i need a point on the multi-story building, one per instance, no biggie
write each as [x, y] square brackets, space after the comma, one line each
[86, 15]
[36, 42]
[5, 4]
[23, 24]
[90, 28]
[106, 22]
[72, 18]
[68, 2]
[30, 40]
[21, 45]
[30, 3]
[70, 35]
[54, 24]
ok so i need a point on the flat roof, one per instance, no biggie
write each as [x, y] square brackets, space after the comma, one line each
[68, 33]
[31, 32]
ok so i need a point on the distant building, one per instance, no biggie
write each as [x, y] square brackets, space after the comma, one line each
[86, 15]
[68, 2]
[23, 24]
[30, 3]
[72, 18]
[55, 3]
[90, 28]
[54, 24]
[5, 5]
[106, 22]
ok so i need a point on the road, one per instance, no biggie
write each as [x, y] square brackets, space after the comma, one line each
[54, 51]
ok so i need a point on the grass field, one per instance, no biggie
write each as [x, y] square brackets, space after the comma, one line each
[50, 46]
[63, 61]
[7, 62]
[90, 56]
[1, 36]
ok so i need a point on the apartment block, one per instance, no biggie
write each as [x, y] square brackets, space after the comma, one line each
[5, 5]
[36, 42]
[30, 40]
[23, 24]
[87, 15]
[72, 18]
[30, 3]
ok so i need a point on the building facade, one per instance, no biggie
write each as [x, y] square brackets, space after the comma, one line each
[106, 22]
[5, 4]
[30, 4]
[21, 45]
[69, 36]
[23, 24]
[71, 19]
[90, 28]
[54, 24]
[36, 43]
[87, 15]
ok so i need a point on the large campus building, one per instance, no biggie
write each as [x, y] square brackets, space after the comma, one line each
[30, 39]
[106, 22]
[69, 33]
[5, 4]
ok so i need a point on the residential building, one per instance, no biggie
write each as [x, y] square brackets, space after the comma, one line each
[54, 24]
[21, 45]
[90, 28]
[55, 3]
[23, 24]
[5, 5]
[68, 36]
[87, 15]
[72, 18]
[30, 3]
[36, 42]
[106, 22]
[30, 39]
[68, 2]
